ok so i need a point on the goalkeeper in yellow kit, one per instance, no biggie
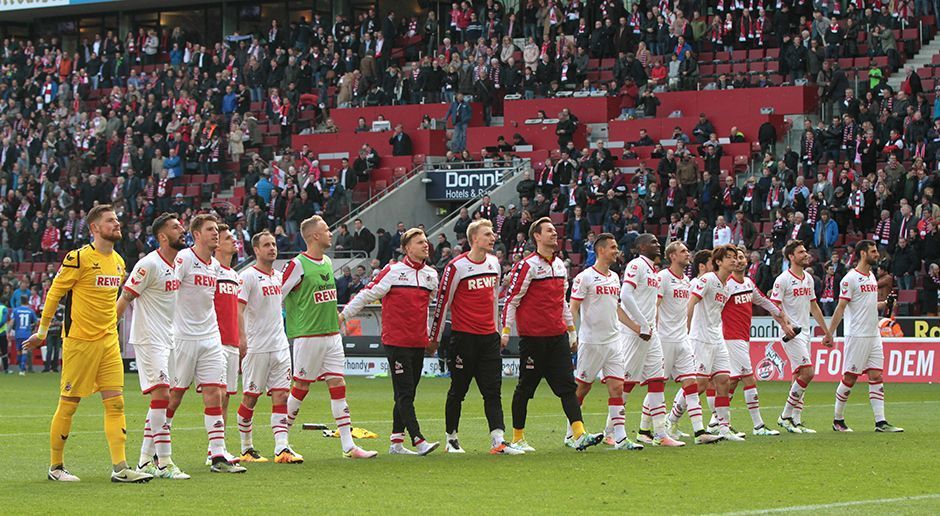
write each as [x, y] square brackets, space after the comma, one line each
[90, 280]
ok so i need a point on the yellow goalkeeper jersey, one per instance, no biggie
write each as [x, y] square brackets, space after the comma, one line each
[90, 281]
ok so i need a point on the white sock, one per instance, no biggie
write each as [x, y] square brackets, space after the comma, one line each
[279, 426]
[753, 405]
[294, 401]
[497, 437]
[694, 404]
[646, 422]
[842, 397]
[793, 398]
[657, 411]
[215, 428]
[678, 406]
[161, 436]
[397, 439]
[876, 395]
[723, 410]
[617, 416]
[245, 422]
[146, 447]
[798, 413]
[710, 399]
[341, 416]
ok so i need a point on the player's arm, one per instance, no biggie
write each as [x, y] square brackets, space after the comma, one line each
[821, 321]
[519, 280]
[690, 309]
[628, 302]
[135, 285]
[569, 321]
[836, 316]
[245, 287]
[375, 290]
[64, 280]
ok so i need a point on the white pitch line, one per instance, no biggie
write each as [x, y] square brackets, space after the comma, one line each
[835, 505]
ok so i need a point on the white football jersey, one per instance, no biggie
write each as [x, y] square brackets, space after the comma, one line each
[674, 291]
[861, 311]
[154, 283]
[794, 295]
[599, 296]
[260, 292]
[706, 318]
[195, 317]
[641, 275]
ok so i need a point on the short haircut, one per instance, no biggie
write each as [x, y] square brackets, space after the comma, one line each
[409, 235]
[536, 227]
[477, 225]
[223, 227]
[602, 239]
[863, 245]
[701, 258]
[719, 253]
[160, 222]
[95, 214]
[201, 220]
[256, 240]
[791, 247]
[673, 248]
[644, 239]
[308, 224]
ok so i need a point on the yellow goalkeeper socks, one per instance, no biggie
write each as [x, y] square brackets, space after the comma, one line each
[115, 430]
[577, 429]
[59, 430]
[518, 434]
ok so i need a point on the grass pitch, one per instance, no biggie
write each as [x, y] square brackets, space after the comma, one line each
[858, 473]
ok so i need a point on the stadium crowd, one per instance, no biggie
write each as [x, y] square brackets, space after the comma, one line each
[869, 169]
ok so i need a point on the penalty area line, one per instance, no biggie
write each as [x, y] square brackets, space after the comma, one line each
[834, 505]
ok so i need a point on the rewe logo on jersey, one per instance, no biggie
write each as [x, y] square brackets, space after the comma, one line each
[227, 287]
[324, 296]
[802, 291]
[201, 280]
[743, 299]
[273, 290]
[478, 283]
[108, 281]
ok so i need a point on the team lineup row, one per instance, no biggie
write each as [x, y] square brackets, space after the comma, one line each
[195, 319]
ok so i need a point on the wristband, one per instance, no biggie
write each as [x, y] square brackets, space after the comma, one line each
[506, 330]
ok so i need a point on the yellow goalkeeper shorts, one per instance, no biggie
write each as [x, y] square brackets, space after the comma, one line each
[90, 366]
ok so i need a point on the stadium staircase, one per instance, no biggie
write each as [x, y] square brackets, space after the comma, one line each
[927, 64]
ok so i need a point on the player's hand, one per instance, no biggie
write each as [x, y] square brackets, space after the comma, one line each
[33, 342]
[342, 325]
[432, 347]
[788, 331]
[503, 341]
[828, 341]
[646, 336]
[242, 347]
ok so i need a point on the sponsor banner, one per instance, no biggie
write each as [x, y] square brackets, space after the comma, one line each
[920, 327]
[371, 366]
[907, 360]
[16, 5]
[461, 185]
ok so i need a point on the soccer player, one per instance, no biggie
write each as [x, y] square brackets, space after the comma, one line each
[225, 303]
[151, 288]
[596, 311]
[536, 305]
[678, 360]
[858, 300]
[198, 355]
[709, 293]
[308, 292]
[406, 288]
[736, 328]
[643, 354]
[90, 279]
[468, 288]
[24, 320]
[794, 291]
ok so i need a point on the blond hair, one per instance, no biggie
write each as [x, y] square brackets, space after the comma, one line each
[411, 233]
[308, 225]
[477, 225]
[201, 220]
[673, 248]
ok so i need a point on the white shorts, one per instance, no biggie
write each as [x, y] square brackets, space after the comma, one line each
[231, 369]
[711, 358]
[202, 361]
[863, 354]
[739, 356]
[599, 358]
[798, 351]
[153, 366]
[266, 372]
[319, 358]
[678, 360]
[643, 359]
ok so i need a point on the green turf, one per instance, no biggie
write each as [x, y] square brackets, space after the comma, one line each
[763, 473]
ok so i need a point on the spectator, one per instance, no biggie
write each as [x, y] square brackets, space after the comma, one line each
[400, 142]
[362, 239]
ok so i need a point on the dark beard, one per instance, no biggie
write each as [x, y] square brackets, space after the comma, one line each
[179, 245]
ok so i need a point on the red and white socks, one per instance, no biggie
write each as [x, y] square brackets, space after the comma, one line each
[245, 427]
[753, 405]
[341, 415]
[794, 400]
[294, 401]
[215, 429]
[655, 405]
[723, 411]
[279, 426]
[694, 404]
[617, 417]
[156, 434]
[842, 397]
[876, 396]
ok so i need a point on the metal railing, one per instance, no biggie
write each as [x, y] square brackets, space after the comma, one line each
[288, 255]
[375, 196]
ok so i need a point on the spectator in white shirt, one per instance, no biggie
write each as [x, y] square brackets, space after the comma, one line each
[722, 232]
